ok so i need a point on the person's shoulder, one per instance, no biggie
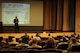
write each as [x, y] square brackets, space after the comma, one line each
[39, 46]
[29, 47]
[22, 36]
[25, 36]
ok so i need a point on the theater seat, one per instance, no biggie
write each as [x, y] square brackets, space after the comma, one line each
[13, 45]
[75, 48]
[63, 46]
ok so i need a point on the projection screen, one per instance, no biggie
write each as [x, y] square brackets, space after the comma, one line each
[10, 10]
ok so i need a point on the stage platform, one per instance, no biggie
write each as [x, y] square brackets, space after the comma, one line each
[18, 35]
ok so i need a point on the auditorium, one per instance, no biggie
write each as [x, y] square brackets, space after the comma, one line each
[43, 26]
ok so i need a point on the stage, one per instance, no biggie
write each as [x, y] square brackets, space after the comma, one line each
[18, 35]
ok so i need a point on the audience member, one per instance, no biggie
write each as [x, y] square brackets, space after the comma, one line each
[25, 38]
[73, 43]
[21, 43]
[44, 33]
[35, 44]
[72, 37]
[13, 41]
[2, 41]
[37, 37]
[10, 37]
[50, 43]
[64, 38]
[62, 42]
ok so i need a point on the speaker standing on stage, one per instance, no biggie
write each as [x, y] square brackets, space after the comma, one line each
[16, 21]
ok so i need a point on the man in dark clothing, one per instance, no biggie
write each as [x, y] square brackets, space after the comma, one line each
[16, 21]
[25, 38]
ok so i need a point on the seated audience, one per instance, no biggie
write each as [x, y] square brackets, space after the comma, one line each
[73, 43]
[64, 38]
[42, 43]
[13, 42]
[2, 41]
[72, 37]
[37, 37]
[34, 44]
[44, 33]
[25, 37]
[78, 35]
[10, 38]
[56, 41]
[63, 45]
[78, 38]
[50, 43]
[21, 43]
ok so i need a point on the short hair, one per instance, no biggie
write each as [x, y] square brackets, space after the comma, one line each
[13, 39]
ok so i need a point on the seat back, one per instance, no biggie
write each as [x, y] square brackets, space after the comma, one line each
[75, 48]
[63, 46]
[13, 45]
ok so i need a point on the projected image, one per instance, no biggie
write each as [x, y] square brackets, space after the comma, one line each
[10, 10]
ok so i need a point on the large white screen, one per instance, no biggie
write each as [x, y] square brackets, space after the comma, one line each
[10, 10]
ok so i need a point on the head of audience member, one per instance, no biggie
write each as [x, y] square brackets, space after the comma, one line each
[78, 36]
[34, 41]
[1, 38]
[74, 41]
[72, 35]
[26, 33]
[25, 37]
[20, 40]
[49, 35]
[4, 40]
[37, 34]
[13, 39]
[37, 37]
[64, 35]
[64, 39]
[34, 44]
[32, 37]
[10, 37]
[50, 43]
[44, 32]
